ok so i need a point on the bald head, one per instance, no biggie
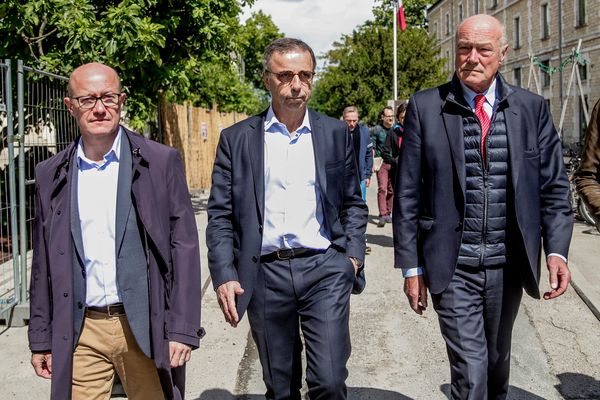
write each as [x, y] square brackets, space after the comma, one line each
[483, 23]
[480, 49]
[92, 72]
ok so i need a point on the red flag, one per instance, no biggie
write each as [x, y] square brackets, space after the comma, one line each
[401, 18]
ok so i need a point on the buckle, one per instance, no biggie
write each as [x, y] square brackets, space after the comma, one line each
[117, 308]
[285, 254]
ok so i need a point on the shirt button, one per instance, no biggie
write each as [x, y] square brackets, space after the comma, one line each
[61, 252]
[254, 258]
[79, 305]
[65, 294]
[58, 212]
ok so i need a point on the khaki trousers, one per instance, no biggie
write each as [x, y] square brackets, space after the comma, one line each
[106, 346]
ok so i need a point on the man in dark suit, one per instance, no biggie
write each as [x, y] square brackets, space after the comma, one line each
[115, 278]
[286, 230]
[481, 185]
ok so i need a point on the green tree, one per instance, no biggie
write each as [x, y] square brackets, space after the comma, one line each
[176, 49]
[254, 36]
[359, 67]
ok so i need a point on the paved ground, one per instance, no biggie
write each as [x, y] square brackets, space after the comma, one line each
[397, 355]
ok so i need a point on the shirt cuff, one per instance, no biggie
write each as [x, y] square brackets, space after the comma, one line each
[409, 272]
[557, 255]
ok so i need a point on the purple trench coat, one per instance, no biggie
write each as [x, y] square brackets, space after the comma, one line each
[161, 198]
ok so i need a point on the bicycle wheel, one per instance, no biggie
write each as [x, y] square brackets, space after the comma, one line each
[585, 213]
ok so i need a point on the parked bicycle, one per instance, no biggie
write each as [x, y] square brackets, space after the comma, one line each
[572, 161]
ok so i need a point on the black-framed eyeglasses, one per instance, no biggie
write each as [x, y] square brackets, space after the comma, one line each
[288, 76]
[109, 100]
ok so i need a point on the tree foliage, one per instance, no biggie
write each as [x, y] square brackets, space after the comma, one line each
[359, 67]
[176, 49]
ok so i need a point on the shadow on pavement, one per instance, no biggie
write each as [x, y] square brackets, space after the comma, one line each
[514, 393]
[380, 240]
[358, 393]
[199, 203]
[578, 386]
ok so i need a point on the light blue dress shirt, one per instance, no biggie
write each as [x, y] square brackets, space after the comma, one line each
[97, 183]
[293, 211]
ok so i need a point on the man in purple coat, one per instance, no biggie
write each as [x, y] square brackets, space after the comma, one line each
[115, 282]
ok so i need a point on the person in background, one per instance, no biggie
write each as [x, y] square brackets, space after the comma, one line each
[587, 176]
[482, 185]
[363, 150]
[393, 141]
[385, 191]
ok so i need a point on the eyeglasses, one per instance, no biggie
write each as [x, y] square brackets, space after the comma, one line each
[109, 100]
[288, 76]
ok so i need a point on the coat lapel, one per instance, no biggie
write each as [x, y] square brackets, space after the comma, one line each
[123, 193]
[454, 131]
[515, 141]
[143, 195]
[256, 148]
[319, 145]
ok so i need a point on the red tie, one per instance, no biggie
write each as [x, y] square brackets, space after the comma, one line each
[484, 120]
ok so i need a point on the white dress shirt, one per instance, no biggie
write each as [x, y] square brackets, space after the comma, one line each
[293, 211]
[97, 184]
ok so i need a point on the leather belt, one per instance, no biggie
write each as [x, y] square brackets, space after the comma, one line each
[288, 254]
[112, 310]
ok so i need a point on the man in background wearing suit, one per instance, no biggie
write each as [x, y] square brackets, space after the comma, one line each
[286, 230]
[481, 185]
[115, 277]
[363, 150]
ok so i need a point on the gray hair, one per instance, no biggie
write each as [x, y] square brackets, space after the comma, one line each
[350, 109]
[284, 46]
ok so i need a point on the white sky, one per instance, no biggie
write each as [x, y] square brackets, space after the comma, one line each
[317, 22]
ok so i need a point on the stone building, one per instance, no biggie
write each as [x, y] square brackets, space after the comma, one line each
[536, 28]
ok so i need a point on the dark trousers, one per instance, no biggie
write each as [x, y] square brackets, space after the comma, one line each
[476, 315]
[311, 295]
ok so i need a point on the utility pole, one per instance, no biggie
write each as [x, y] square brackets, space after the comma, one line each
[395, 18]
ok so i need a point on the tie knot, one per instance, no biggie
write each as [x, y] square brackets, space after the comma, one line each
[479, 100]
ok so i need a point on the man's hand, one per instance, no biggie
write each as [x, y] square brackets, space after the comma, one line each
[42, 364]
[226, 295]
[416, 291]
[368, 182]
[560, 276]
[179, 354]
[354, 264]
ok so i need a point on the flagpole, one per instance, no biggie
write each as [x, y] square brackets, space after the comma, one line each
[395, 18]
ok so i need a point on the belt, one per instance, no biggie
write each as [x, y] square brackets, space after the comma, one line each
[288, 254]
[112, 310]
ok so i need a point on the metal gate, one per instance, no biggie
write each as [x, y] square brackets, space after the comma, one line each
[44, 127]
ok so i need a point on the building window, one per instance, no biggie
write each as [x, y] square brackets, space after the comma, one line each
[460, 13]
[517, 76]
[548, 104]
[517, 38]
[435, 30]
[476, 6]
[545, 28]
[580, 12]
[546, 75]
[582, 71]
[582, 120]
[447, 24]
[494, 4]
[448, 61]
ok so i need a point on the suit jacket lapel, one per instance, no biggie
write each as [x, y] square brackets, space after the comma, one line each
[454, 131]
[319, 148]
[256, 149]
[123, 192]
[515, 139]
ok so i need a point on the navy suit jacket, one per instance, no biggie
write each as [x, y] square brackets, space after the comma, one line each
[365, 156]
[236, 203]
[429, 203]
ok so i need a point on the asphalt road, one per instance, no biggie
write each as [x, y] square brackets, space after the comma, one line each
[397, 354]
